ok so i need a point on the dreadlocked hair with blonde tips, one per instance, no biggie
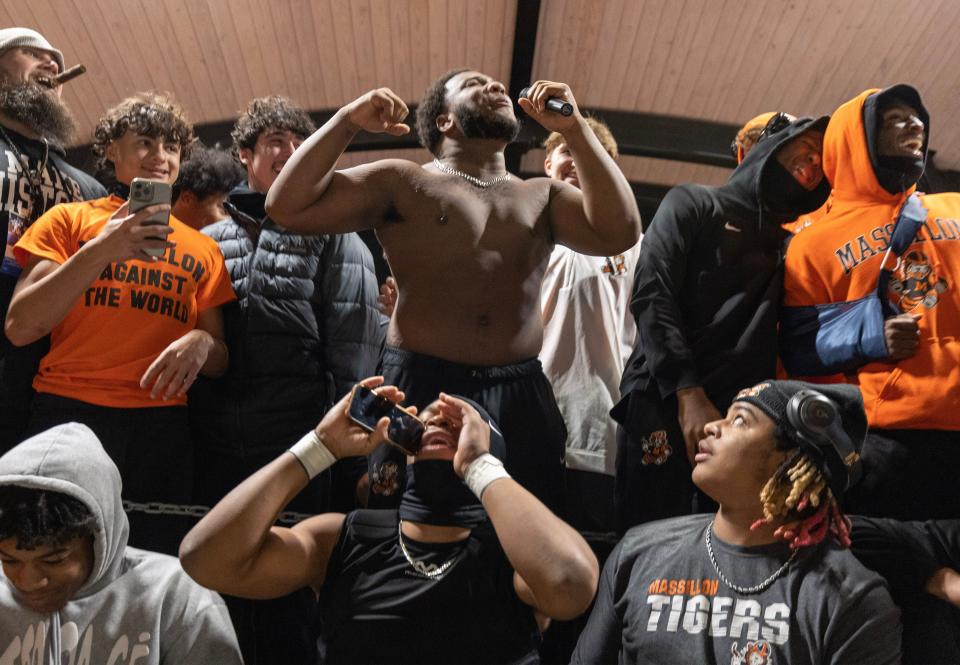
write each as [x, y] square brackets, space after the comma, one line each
[798, 496]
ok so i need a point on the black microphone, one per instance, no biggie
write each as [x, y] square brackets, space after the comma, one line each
[554, 104]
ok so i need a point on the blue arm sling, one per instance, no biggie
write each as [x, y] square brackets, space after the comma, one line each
[834, 337]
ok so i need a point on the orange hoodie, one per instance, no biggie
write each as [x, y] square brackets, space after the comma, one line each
[838, 259]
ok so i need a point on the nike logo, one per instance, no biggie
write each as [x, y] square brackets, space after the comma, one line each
[730, 227]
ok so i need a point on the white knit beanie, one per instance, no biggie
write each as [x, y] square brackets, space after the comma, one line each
[13, 37]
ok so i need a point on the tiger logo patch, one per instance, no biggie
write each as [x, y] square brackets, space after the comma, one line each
[914, 283]
[656, 449]
[753, 653]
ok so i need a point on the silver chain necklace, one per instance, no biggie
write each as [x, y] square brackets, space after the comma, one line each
[429, 570]
[476, 182]
[746, 590]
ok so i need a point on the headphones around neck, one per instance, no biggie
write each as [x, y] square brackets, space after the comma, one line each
[815, 419]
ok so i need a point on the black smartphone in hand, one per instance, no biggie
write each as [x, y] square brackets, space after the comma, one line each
[404, 430]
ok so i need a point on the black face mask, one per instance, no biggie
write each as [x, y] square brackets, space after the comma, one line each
[436, 495]
[895, 174]
[898, 174]
[783, 195]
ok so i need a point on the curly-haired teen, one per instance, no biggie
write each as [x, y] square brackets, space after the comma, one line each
[296, 359]
[129, 331]
[147, 114]
[269, 113]
[71, 589]
[759, 577]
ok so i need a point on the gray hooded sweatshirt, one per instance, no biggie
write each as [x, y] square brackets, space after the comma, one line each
[137, 607]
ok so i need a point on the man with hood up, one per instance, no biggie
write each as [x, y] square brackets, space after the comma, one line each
[747, 137]
[904, 353]
[459, 574]
[71, 589]
[705, 298]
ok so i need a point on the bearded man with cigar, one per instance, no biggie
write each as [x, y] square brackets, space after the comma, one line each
[468, 244]
[35, 125]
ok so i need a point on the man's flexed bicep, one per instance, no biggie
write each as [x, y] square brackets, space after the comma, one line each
[308, 196]
[354, 199]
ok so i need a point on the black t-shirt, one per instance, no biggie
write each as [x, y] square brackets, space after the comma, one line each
[376, 608]
[33, 179]
[661, 601]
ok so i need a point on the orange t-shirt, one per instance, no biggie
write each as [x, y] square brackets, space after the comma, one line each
[129, 314]
[838, 259]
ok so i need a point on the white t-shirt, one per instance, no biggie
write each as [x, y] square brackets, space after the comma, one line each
[588, 336]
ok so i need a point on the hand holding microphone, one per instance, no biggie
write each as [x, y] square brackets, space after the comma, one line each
[550, 103]
[554, 104]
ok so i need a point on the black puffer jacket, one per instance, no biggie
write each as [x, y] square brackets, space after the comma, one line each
[305, 327]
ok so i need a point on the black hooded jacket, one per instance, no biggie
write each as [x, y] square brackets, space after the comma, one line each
[305, 327]
[708, 279]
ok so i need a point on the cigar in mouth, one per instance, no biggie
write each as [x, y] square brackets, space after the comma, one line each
[64, 76]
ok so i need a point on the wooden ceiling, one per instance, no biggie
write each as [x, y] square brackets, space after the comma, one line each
[716, 60]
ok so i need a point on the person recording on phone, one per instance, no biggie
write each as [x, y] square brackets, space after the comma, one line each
[132, 310]
[461, 572]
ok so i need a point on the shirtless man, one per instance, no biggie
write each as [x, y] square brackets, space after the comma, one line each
[468, 244]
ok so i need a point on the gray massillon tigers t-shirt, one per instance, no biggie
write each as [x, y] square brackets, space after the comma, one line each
[661, 601]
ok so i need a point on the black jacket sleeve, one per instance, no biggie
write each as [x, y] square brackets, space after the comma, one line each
[906, 554]
[944, 536]
[660, 276]
[353, 334]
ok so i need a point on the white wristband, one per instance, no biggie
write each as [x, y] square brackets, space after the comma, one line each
[483, 471]
[312, 454]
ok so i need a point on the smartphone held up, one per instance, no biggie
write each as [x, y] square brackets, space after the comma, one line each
[404, 430]
[145, 193]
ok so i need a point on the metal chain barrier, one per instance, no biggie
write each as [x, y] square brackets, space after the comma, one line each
[287, 517]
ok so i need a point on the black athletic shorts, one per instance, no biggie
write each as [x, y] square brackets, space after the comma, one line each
[518, 397]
